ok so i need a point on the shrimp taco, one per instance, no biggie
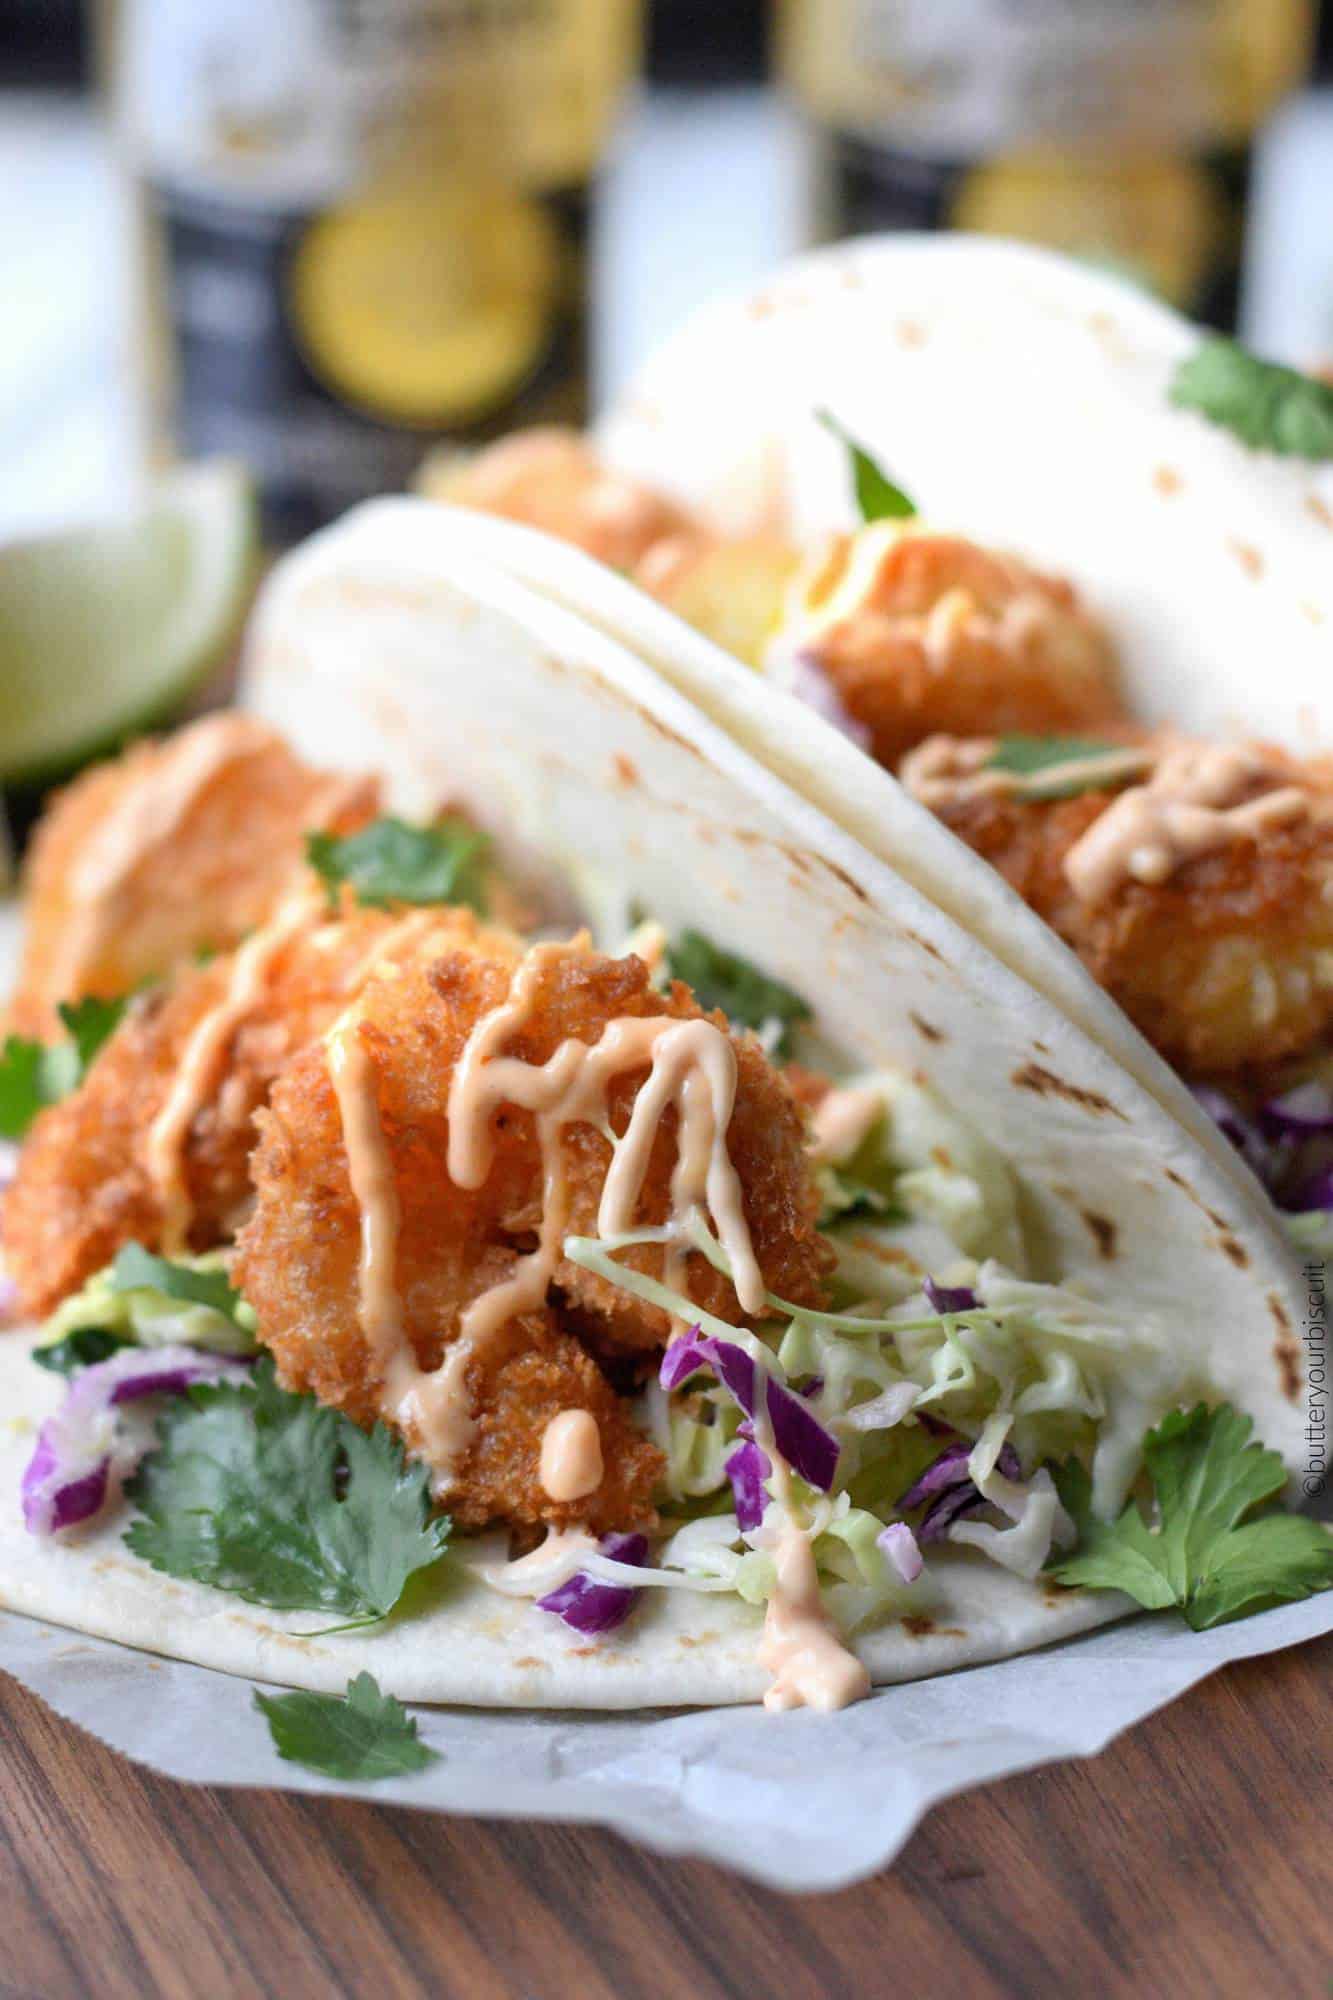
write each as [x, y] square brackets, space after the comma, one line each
[597, 1236]
[1017, 556]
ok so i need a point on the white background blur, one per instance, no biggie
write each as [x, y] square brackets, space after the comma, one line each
[706, 189]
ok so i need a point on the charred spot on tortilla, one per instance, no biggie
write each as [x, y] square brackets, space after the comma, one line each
[1319, 510]
[1045, 1083]
[925, 1028]
[1286, 1350]
[922, 944]
[1102, 1231]
[917, 1625]
[626, 770]
[1229, 1245]
[1249, 558]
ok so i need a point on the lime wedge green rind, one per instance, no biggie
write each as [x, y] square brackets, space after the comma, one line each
[107, 630]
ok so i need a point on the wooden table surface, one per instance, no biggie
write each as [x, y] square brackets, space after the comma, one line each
[1193, 1858]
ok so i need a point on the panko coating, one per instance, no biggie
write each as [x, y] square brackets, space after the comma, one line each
[85, 1185]
[297, 1257]
[543, 1373]
[922, 634]
[549, 478]
[181, 845]
[1226, 966]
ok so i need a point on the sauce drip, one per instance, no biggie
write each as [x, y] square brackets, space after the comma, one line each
[692, 1067]
[842, 1119]
[571, 1456]
[1194, 803]
[165, 1155]
[947, 771]
[810, 1665]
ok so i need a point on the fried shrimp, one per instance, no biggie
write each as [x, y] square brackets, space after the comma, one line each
[548, 478]
[920, 633]
[463, 1254]
[1226, 963]
[181, 845]
[161, 1129]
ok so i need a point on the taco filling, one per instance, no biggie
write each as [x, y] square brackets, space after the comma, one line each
[613, 1272]
[1192, 877]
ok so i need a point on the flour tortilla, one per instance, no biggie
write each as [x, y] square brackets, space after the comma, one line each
[1021, 399]
[388, 643]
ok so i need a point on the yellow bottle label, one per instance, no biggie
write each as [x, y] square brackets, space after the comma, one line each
[371, 223]
[1114, 130]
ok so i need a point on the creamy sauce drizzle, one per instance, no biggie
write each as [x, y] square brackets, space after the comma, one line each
[693, 1067]
[947, 771]
[1193, 804]
[145, 817]
[801, 1648]
[842, 1119]
[165, 1151]
[571, 1456]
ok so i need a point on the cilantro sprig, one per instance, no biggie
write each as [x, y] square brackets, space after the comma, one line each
[80, 1349]
[137, 1269]
[34, 1074]
[270, 1495]
[359, 1736]
[877, 497]
[391, 861]
[745, 995]
[1038, 762]
[1217, 1549]
[1265, 405]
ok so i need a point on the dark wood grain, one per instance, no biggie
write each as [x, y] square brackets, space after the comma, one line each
[1191, 1859]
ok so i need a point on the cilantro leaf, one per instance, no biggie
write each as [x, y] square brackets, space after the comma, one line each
[393, 862]
[24, 1085]
[34, 1074]
[270, 1495]
[1037, 763]
[1263, 404]
[80, 1349]
[1202, 1555]
[136, 1269]
[362, 1735]
[1025, 754]
[876, 495]
[89, 1023]
[745, 995]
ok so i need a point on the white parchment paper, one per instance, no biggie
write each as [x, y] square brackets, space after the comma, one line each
[799, 1801]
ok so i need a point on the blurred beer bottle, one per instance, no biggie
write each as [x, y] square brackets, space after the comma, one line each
[364, 226]
[1118, 130]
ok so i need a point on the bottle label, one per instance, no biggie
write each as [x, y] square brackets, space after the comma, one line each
[976, 75]
[370, 226]
[1115, 130]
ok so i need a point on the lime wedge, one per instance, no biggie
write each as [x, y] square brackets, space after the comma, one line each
[106, 629]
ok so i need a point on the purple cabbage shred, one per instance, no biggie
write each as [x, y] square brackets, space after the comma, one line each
[808, 1448]
[589, 1604]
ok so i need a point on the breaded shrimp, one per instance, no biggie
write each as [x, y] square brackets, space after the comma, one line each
[87, 1178]
[921, 633]
[183, 844]
[548, 478]
[297, 1257]
[545, 1372]
[1227, 965]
